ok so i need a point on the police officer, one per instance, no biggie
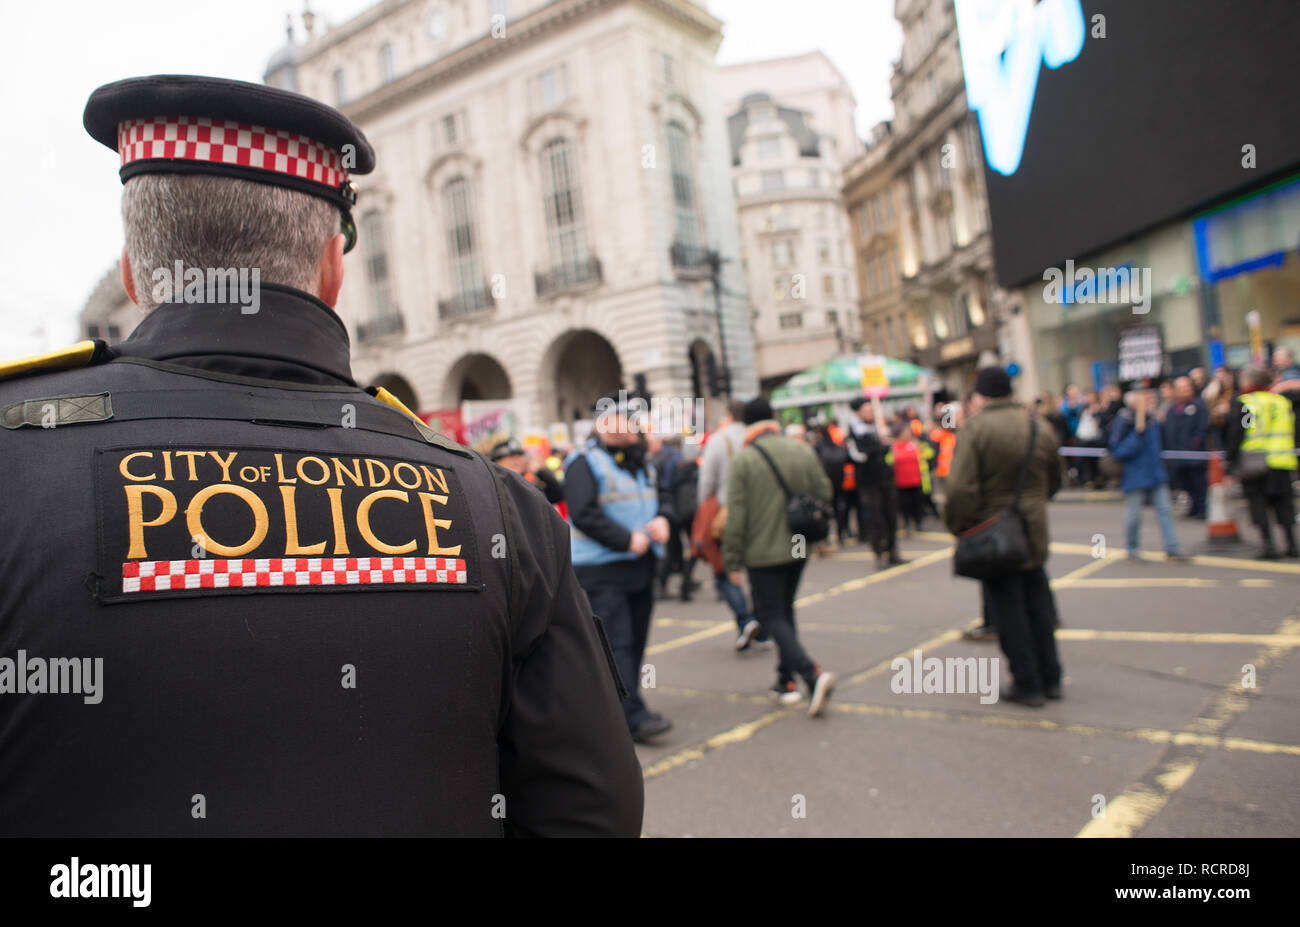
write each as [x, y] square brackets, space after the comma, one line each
[244, 596]
[621, 515]
[1261, 439]
[511, 455]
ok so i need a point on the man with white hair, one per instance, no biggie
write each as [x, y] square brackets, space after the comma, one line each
[316, 615]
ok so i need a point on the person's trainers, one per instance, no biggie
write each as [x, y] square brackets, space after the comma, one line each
[821, 691]
[747, 634]
[787, 693]
[1052, 692]
[984, 632]
[650, 728]
[1177, 558]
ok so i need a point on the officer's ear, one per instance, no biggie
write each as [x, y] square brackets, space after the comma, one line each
[329, 272]
[128, 281]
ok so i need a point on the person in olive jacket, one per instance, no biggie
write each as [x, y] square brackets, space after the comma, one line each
[981, 484]
[758, 537]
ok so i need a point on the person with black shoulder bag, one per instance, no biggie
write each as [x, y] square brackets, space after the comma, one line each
[778, 507]
[1005, 467]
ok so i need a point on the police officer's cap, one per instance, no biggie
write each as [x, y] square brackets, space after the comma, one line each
[504, 449]
[182, 124]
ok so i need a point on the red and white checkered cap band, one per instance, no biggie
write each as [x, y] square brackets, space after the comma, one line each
[220, 141]
[164, 575]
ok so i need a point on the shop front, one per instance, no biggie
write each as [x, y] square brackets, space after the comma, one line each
[1248, 252]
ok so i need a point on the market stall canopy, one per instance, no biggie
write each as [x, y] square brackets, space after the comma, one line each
[840, 380]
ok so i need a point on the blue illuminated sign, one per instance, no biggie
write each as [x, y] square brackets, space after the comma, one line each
[1003, 42]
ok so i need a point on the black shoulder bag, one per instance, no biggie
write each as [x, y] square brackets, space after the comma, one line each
[999, 545]
[807, 514]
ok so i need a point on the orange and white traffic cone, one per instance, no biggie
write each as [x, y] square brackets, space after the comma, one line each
[1221, 527]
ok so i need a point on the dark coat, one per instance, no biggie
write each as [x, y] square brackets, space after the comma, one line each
[1139, 452]
[985, 464]
[484, 674]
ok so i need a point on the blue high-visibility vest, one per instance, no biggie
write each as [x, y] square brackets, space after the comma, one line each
[631, 500]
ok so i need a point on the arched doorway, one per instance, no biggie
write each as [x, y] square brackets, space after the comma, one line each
[399, 387]
[475, 377]
[582, 366]
[703, 368]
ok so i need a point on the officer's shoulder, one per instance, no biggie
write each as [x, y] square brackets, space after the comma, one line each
[73, 357]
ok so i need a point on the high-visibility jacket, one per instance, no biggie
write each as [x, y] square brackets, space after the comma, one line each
[946, 441]
[1270, 429]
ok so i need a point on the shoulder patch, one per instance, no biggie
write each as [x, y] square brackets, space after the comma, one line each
[429, 435]
[81, 354]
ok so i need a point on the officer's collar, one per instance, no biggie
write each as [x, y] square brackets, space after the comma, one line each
[293, 334]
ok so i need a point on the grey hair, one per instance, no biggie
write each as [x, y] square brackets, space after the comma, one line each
[1256, 376]
[206, 221]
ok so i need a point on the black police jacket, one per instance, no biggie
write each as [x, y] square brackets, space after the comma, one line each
[243, 596]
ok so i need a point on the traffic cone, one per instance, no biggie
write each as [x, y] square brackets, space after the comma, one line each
[1221, 527]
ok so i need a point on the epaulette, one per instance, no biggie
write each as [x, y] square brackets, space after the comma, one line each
[81, 354]
[429, 434]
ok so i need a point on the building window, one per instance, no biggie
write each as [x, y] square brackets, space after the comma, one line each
[828, 285]
[449, 129]
[679, 156]
[340, 86]
[778, 289]
[114, 334]
[551, 87]
[669, 70]
[889, 338]
[375, 241]
[815, 178]
[782, 253]
[832, 318]
[791, 320]
[938, 318]
[92, 330]
[864, 222]
[462, 238]
[773, 180]
[386, 70]
[498, 8]
[960, 313]
[769, 147]
[872, 286]
[823, 250]
[562, 199]
[878, 344]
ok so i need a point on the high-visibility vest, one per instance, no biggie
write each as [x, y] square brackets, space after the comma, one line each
[1270, 429]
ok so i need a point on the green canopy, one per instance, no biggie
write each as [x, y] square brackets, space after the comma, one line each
[840, 379]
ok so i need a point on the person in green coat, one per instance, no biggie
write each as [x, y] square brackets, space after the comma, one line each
[981, 484]
[758, 537]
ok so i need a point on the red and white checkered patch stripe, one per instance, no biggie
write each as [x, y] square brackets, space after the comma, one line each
[164, 575]
[220, 141]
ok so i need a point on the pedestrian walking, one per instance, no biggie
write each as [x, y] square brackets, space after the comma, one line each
[867, 449]
[991, 449]
[715, 467]
[763, 476]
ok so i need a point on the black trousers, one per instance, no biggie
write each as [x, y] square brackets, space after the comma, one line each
[1024, 613]
[844, 501]
[881, 502]
[911, 501]
[774, 590]
[1271, 493]
[1193, 479]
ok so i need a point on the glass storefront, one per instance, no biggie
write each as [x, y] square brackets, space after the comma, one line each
[1248, 253]
[1076, 335]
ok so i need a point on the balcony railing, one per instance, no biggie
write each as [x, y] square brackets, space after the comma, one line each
[391, 323]
[568, 275]
[690, 257]
[466, 302]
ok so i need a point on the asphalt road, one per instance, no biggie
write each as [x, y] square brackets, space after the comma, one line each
[1181, 714]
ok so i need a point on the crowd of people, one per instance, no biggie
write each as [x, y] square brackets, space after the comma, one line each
[645, 509]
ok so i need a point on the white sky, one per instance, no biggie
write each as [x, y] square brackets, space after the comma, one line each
[61, 226]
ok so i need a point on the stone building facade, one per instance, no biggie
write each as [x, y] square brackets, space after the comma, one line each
[552, 190]
[792, 131]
